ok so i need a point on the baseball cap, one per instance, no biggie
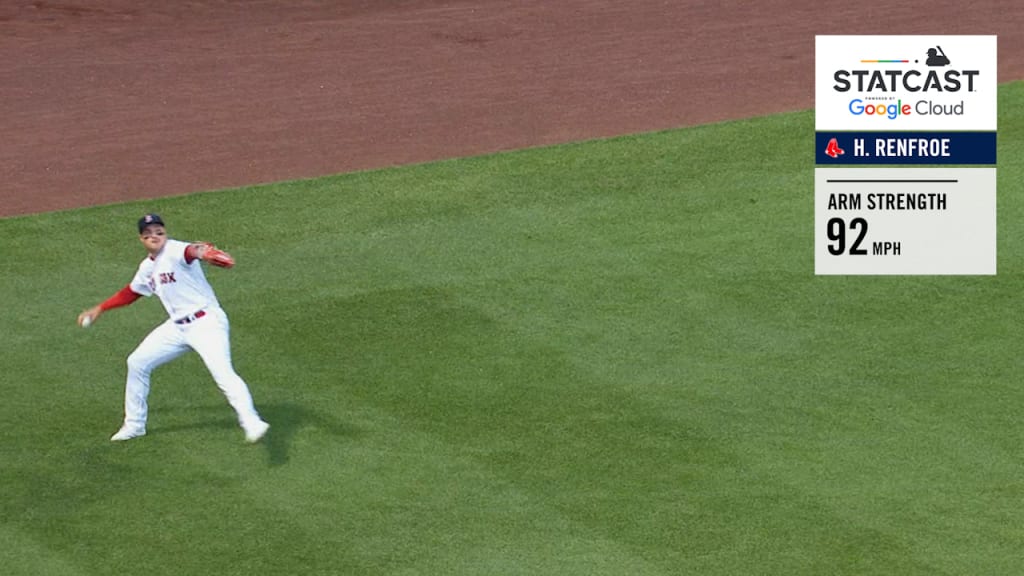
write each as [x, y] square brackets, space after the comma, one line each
[148, 220]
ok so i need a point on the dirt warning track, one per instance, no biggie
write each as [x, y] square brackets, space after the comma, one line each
[115, 100]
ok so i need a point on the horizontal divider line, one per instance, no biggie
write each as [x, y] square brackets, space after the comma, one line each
[938, 181]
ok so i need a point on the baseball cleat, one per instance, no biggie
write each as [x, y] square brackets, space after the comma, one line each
[254, 433]
[127, 432]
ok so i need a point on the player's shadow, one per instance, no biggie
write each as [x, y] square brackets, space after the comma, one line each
[286, 419]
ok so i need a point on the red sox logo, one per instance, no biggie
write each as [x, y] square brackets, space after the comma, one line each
[833, 149]
[165, 278]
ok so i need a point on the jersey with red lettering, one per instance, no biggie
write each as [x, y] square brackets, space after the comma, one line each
[181, 285]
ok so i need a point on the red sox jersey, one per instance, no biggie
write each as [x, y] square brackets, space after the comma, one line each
[181, 285]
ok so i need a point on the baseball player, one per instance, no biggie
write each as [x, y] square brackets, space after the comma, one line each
[173, 272]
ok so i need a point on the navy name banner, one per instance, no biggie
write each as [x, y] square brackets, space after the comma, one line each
[835, 148]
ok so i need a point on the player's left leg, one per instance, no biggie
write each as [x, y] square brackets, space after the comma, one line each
[210, 337]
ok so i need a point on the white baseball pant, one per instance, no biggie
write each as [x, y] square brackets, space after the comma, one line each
[209, 336]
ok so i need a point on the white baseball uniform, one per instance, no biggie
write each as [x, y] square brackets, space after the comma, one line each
[195, 321]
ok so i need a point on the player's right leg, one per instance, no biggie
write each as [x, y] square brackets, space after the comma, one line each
[163, 344]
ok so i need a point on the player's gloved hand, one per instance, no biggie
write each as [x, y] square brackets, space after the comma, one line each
[216, 256]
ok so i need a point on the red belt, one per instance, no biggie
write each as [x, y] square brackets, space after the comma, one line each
[192, 318]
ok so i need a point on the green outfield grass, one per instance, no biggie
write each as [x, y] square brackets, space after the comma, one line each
[605, 358]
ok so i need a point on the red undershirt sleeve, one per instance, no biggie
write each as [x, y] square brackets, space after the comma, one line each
[123, 298]
[190, 254]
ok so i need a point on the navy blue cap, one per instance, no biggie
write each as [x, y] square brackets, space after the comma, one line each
[148, 220]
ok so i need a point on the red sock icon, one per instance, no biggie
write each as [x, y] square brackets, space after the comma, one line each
[833, 149]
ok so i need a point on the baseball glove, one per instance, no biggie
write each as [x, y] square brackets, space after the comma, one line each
[217, 257]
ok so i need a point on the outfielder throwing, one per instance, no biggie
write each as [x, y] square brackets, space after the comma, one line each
[172, 271]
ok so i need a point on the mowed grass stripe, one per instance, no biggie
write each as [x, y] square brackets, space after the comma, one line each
[603, 358]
